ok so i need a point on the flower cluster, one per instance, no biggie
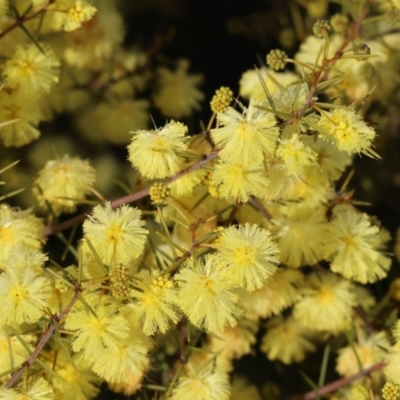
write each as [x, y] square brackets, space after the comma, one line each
[244, 236]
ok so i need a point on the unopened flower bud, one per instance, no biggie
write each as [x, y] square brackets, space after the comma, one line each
[276, 59]
[391, 391]
[322, 28]
[159, 193]
[221, 99]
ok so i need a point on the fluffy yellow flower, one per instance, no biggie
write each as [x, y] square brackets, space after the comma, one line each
[67, 177]
[78, 386]
[205, 296]
[239, 182]
[91, 46]
[247, 255]
[287, 340]
[24, 296]
[154, 307]
[246, 138]
[36, 389]
[20, 231]
[98, 333]
[116, 119]
[296, 155]
[331, 160]
[32, 71]
[234, 342]
[355, 246]
[250, 86]
[117, 235]
[290, 98]
[300, 235]
[278, 293]
[130, 358]
[327, 303]
[347, 130]
[177, 95]
[67, 15]
[77, 13]
[14, 106]
[22, 257]
[202, 383]
[370, 350]
[154, 153]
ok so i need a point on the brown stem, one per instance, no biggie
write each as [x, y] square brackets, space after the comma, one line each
[20, 21]
[51, 230]
[260, 208]
[182, 335]
[43, 340]
[317, 75]
[331, 387]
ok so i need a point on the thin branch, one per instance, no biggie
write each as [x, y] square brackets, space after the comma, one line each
[322, 73]
[51, 230]
[260, 208]
[333, 386]
[43, 340]
[25, 18]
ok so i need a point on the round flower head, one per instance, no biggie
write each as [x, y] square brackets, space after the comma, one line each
[331, 160]
[290, 231]
[154, 307]
[327, 303]
[280, 292]
[78, 381]
[234, 342]
[246, 138]
[154, 153]
[130, 358]
[202, 383]
[90, 46]
[365, 354]
[38, 389]
[117, 235]
[347, 130]
[296, 155]
[354, 246]
[64, 179]
[28, 115]
[33, 71]
[290, 98]
[247, 255]
[239, 182]
[20, 230]
[68, 15]
[206, 296]
[24, 296]
[100, 332]
[250, 86]
[287, 341]
[177, 95]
